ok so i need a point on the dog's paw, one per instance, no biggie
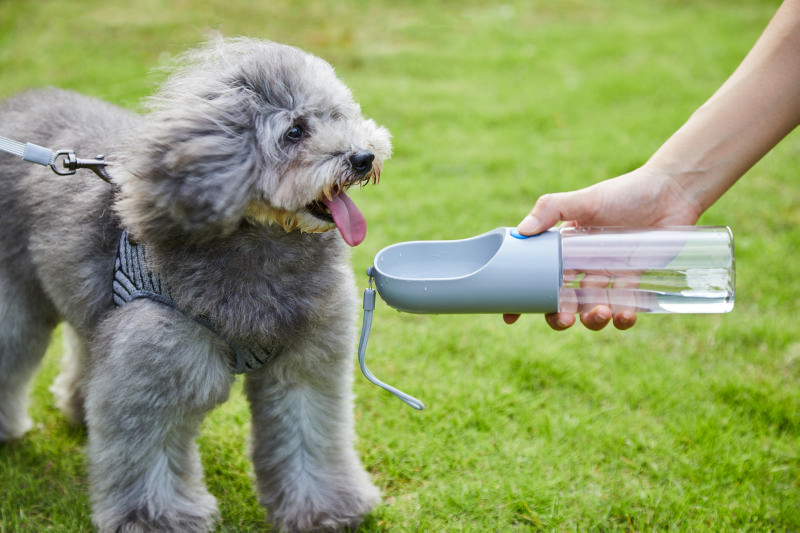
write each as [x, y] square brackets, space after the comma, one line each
[14, 428]
[177, 524]
[198, 518]
[342, 513]
[14, 419]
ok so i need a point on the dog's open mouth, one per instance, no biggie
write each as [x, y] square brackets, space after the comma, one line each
[334, 206]
[343, 212]
[321, 211]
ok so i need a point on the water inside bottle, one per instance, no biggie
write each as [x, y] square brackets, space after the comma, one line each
[578, 300]
[658, 271]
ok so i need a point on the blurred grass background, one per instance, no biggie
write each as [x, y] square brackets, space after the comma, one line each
[684, 423]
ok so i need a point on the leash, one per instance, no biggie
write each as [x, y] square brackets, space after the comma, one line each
[369, 307]
[70, 163]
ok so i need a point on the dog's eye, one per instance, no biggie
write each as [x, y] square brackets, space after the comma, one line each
[295, 133]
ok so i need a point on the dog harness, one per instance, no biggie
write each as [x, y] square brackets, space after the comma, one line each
[133, 279]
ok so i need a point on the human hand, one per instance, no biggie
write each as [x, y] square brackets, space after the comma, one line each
[638, 199]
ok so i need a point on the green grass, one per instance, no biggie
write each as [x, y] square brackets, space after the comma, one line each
[684, 423]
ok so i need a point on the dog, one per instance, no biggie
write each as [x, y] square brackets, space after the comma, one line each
[209, 254]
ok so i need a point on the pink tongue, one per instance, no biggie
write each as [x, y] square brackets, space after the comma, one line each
[348, 218]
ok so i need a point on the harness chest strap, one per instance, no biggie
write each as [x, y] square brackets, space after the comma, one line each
[133, 279]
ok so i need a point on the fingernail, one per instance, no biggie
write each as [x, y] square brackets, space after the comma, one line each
[530, 225]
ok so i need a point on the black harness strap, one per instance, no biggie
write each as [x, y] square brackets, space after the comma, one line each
[133, 278]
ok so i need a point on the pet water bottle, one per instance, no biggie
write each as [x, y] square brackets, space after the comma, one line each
[686, 269]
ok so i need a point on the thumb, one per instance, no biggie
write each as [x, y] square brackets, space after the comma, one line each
[550, 209]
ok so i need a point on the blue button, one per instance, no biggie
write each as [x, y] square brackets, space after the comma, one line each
[517, 235]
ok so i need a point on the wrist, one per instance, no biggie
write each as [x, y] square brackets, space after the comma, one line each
[696, 165]
[678, 190]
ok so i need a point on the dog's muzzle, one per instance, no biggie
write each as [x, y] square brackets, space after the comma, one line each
[361, 162]
[335, 206]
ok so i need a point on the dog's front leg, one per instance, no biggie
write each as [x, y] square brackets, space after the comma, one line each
[153, 376]
[308, 473]
[67, 387]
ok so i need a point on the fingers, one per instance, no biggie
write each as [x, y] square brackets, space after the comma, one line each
[557, 321]
[560, 321]
[624, 320]
[545, 214]
[572, 207]
[597, 318]
[531, 225]
[552, 208]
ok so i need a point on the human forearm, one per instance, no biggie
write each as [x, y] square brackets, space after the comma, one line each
[750, 113]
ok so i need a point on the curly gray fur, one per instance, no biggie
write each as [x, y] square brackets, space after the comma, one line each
[222, 178]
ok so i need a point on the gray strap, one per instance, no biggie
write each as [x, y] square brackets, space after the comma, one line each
[29, 152]
[133, 278]
[245, 358]
[369, 307]
[40, 155]
[12, 147]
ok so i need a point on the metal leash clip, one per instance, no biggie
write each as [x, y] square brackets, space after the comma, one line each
[70, 164]
[33, 153]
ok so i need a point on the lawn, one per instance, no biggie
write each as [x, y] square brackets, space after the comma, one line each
[685, 423]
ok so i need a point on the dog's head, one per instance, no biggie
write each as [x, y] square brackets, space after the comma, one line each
[247, 131]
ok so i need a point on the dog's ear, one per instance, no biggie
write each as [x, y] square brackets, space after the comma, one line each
[197, 166]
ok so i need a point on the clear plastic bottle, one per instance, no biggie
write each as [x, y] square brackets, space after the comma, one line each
[687, 269]
[651, 270]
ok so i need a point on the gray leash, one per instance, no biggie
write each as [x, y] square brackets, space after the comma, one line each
[70, 163]
[369, 307]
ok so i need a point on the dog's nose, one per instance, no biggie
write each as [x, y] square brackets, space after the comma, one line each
[361, 162]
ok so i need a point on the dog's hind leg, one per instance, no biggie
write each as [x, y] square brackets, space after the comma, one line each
[153, 376]
[67, 386]
[26, 322]
[308, 473]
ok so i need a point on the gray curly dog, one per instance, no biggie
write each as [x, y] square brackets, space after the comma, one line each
[209, 255]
